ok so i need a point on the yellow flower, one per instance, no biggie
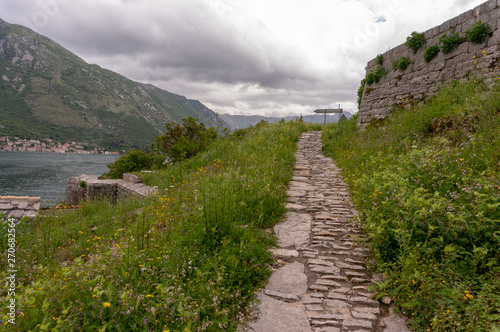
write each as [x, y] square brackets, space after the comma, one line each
[106, 304]
[149, 295]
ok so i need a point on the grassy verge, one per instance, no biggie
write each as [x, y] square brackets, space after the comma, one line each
[426, 182]
[188, 259]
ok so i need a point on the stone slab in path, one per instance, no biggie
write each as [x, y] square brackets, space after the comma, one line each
[294, 231]
[290, 279]
[278, 316]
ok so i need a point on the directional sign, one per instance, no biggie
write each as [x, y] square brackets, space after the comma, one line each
[329, 110]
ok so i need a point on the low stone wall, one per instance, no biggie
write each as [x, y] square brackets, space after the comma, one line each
[19, 207]
[421, 80]
[89, 187]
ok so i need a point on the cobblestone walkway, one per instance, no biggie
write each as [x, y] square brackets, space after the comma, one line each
[321, 283]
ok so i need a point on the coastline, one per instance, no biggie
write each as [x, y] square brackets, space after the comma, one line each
[48, 145]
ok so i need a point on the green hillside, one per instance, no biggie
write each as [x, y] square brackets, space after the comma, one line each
[47, 91]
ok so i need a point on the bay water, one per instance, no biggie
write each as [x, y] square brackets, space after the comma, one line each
[45, 174]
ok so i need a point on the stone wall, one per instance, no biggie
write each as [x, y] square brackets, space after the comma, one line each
[19, 207]
[421, 80]
[89, 187]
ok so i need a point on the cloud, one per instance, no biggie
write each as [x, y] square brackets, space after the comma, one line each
[275, 57]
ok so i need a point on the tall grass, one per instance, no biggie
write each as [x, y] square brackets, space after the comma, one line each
[187, 259]
[426, 182]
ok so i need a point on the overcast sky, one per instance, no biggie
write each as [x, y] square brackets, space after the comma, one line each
[268, 57]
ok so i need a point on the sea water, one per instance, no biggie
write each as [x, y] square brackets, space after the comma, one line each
[45, 174]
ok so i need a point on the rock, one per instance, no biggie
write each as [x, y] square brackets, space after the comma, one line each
[278, 316]
[294, 231]
[290, 279]
[284, 253]
[386, 300]
[395, 323]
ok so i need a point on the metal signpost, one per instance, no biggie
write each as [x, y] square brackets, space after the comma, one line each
[329, 111]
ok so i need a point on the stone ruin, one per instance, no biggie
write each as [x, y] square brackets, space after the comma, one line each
[19, 207]
[89, 187]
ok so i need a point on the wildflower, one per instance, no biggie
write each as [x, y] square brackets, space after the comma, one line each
[149, 295]
[106, 304]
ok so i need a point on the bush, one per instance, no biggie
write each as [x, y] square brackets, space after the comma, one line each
[134, 161]
[360, 92]
[185, 140]
[430, 53]
[402, 63]
[375, 75]
[478, 32]
[449, 42]
[380, 60]
[415, 41]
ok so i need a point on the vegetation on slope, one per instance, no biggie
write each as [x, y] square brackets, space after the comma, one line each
[427, 184]
[48, 92]
[188, 259]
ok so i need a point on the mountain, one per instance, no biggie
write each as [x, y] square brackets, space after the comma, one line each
[245, 121]
[48, 92]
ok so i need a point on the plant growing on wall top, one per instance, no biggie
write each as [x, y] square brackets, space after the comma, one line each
[430, 53]
[478, 32]
[415, 41]
[449, 42]
[380, 60]
[402, 63]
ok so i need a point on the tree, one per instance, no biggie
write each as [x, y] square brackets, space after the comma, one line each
[134, 161]
[184, 140]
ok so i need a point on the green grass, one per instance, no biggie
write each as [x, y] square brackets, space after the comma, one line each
[190, 258]
[426, 182]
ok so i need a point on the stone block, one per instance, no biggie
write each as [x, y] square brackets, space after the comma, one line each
[491, 5]
[462, 48]
[30, 214]
[18, 214]
[131, 178]
[445, 27]
[23, 204]
[479, 10]
[469, 15]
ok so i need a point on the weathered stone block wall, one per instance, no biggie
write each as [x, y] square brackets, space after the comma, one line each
[89, 187]
[19, 207]
[421, 80]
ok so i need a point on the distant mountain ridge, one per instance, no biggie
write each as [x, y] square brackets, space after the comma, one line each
[245, 121]
[47, 91]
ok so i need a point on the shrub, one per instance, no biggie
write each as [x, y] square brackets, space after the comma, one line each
[360, 92]
[133, 161]
[185, 140]
[430, 53]
[478, 32]
[380, 60]
[375, 75]
[415, 41]
[449, 42]
[402, 63]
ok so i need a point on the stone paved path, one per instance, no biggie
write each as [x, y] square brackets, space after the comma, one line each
[322, 283]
